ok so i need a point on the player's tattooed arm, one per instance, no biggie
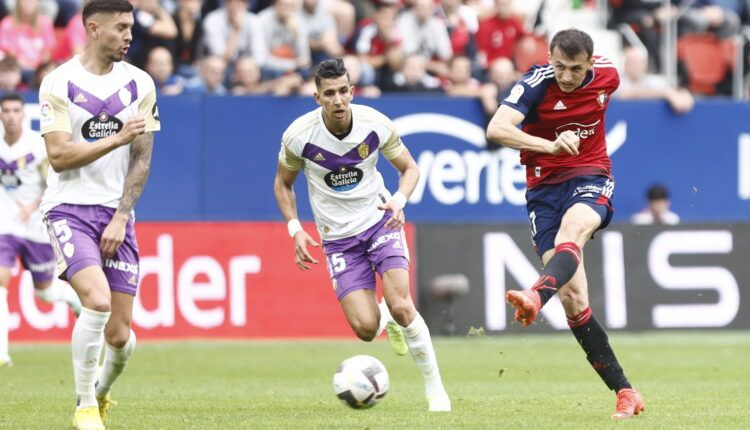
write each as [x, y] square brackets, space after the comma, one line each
[138, 169]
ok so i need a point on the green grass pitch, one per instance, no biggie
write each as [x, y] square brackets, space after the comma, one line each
[695, 380]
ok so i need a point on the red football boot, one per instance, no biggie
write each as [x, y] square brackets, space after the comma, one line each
[527, 304]
[629, 404]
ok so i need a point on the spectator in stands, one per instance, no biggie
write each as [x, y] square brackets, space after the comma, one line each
[74, 37]
[502, 75]
[343, 12]
[657, 212]
[27, 35]
[286, 40]
[462, 25]
[414, 78]
[10, 75]
[189, 22]
[460, 83]
[704, 15]
[160, 65]
[636, 84]
[232, 31]
[425, 34]
[353, 65]
[498, 34]
[48, 8]
[642, 16]
[379, 44]
[321, 31]
[210, 80]
[246, 80]
[153, 27]
[42, 71]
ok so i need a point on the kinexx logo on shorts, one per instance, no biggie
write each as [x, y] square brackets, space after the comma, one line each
[122, 266]
[396, 235]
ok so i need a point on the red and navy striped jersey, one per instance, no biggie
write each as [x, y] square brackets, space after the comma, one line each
[548, 111]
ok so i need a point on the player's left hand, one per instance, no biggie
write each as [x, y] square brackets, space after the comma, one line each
[396, 221]
[113, 235]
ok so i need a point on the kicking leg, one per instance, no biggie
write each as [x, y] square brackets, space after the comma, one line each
[595, 343]
[560, 263]
[416, 335]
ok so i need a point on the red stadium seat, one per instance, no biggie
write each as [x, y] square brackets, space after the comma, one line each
[705, 61]
[530, 50]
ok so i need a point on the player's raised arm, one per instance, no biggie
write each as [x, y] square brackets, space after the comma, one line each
[65, 154]
[285, 198]
[409, 175]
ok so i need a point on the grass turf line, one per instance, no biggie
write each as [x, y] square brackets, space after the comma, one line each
[689, 380]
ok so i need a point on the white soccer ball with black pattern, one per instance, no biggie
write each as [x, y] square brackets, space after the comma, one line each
[361, 381]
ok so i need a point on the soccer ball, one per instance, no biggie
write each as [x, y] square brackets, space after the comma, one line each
[361, 381]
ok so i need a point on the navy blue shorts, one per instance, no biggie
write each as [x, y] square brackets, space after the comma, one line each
[547, 204]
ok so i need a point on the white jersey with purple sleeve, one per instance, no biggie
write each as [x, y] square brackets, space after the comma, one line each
[344, 184]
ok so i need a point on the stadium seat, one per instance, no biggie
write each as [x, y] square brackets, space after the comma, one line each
[705, 60]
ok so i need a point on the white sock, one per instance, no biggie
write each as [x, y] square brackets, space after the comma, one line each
[60, 291]
[417, 336]
[114, 362]
[88, 339]
[385, 317]
[4, 324]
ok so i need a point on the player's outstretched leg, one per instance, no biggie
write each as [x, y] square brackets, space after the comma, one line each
[557, 272]
[5, 360]
[417, 336]
[595, 343]
[88, 339]
[59, 291]
[395, 334]
[115, 360]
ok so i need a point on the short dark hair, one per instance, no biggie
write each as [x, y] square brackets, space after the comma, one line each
[657, 192]
[572, 42]
[9, 63]
[11, 97]
[105, 6]
[330, 69]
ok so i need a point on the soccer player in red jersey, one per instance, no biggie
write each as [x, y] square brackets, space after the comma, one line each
[561, 108]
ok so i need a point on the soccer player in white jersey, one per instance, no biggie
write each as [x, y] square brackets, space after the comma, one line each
[360, 222]
[23, 170]
[98, 118]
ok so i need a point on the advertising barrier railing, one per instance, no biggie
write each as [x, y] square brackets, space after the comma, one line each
[639, 278]
[208, 280]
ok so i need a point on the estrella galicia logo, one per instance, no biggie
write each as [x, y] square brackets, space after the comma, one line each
[344, 178]
[101, 126]
[8, 179]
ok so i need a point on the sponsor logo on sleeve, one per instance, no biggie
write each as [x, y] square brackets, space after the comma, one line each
[155, 113]
[47, 114]
[515, 94]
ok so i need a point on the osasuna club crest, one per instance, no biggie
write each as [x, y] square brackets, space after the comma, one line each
[601, 98]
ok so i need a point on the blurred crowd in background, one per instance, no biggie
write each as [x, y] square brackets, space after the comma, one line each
[463, 48]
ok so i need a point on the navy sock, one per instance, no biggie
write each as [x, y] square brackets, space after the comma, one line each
[558, 271]
[595, 343]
